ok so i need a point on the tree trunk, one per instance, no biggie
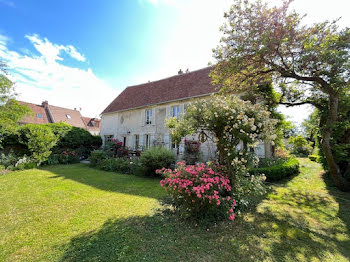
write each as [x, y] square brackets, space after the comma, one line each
[326, 125]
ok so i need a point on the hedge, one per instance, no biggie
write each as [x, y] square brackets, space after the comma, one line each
[275, 173]
[315, 158]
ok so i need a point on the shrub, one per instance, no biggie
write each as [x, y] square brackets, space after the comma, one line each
[25, 163]
[300, 146]
[156, 158]
[9, 159]
[199, 191]
[75, 139]
[315, 158]
[116, 165]
[2, 167]
[277, 172]
[97, 156]
[272, 161]
[39, 139]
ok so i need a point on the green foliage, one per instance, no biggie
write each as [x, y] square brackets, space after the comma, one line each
[278, 172]
[120, 165]
[39, 139]
[272, 161]
[10, 113]
[308, 63]
[156, 158]
[300, 146]
[315, 158]
[97, 156]
[9, 159]
[74, 139]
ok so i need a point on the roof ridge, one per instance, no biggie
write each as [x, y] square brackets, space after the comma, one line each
[173, 76]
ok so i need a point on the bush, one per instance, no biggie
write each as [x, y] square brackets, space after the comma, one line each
[39, 139]
[75, 139]
[272, 161]
[300, 146]
[199, 191]
[2, 167]
[9, 159]
[277, 172]
[156, 158]
[116, 165]
[315, 158]
[97, 156]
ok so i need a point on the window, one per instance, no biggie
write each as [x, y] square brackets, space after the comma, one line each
[108, 139]
[69, 116]
[175, 111]
[40, 115]
[124, 141]
[148, 116]
[137, 141]
[147, 141]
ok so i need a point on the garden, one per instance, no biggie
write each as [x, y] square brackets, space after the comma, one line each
[153, 206]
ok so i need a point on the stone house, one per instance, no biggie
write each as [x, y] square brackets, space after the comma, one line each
[136, 117]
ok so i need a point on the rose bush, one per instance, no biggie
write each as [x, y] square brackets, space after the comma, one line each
[199, 190]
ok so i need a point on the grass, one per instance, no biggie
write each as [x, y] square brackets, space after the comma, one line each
[75, 213]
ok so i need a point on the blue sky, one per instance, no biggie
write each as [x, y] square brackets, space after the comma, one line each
[83, 53]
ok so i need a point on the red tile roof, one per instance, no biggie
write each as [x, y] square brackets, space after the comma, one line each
[56, 114]
[60, 115]
[35, 119]
[192, 84]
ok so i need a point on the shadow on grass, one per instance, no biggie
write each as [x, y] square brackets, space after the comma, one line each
[342, 198]
[278, 230]
[108, 181]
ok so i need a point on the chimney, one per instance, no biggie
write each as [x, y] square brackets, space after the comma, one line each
[45, 104]
[180, 72]
[187, 70]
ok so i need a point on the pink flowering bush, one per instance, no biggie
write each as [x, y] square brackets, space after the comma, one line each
[199, 190]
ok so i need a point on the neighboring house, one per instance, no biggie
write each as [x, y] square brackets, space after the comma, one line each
[136, 117]
[45, 113]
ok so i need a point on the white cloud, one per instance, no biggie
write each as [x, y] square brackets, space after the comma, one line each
[43, 77]
[51, 51]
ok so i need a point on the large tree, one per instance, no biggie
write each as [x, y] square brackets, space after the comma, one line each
[308, 64]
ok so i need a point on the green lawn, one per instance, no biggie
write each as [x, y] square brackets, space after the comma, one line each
[75, 213]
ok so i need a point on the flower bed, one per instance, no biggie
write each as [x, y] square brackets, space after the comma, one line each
[199, 190]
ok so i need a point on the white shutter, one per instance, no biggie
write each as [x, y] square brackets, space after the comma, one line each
[153, 116]
[182, 109]
[168, 111]
[142, 117]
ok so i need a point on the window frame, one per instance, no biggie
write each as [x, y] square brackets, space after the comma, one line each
[148, 116]
[108, 138]
[175, 113]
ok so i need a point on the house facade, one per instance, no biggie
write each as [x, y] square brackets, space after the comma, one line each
[137, 116]
[45, 113]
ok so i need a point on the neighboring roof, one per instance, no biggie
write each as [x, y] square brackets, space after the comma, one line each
[92, 124]
[38, 110]
[186, 85]
[55, 114]
[60, 115]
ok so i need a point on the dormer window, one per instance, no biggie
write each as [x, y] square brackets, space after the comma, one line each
[69, 116]
[40, 115]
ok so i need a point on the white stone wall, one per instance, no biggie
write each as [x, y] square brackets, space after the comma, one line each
[125, 124]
